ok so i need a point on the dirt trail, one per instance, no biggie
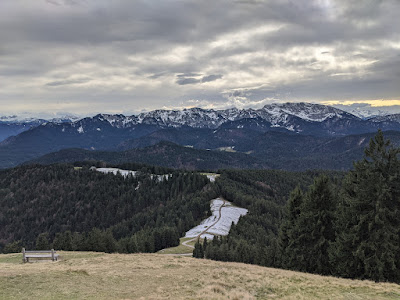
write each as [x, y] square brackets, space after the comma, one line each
[204, 231]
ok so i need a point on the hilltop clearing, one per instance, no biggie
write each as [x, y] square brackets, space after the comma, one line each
[86, 275]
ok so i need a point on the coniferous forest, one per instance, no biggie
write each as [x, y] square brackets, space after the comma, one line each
[80, 209]
[345, 225]
[324, 222]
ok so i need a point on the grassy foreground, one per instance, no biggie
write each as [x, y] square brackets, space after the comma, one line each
[85, 275]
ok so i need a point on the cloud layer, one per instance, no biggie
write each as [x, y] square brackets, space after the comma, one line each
[127, 56]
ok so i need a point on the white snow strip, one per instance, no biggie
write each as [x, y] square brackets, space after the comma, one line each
[125, 173]
[115, 171]
[211, 227]
[208, 236]
[212, 177]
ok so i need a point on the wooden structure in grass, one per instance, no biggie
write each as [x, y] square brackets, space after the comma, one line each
[39, 254]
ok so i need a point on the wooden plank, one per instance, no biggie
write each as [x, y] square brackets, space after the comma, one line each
[50, 254]
[40, 256]
[23, 255]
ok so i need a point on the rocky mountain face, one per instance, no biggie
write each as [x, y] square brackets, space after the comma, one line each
[278, 115]
[303, 118]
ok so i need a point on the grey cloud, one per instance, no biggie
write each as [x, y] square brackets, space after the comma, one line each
[188, 75]
[67, 82]
[141, 52]
[65, 2]
[184, 81]
[157, 75]
[211, 78]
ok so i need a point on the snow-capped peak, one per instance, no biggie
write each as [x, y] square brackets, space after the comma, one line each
[305, 111]
[284, 115]
[278, 114]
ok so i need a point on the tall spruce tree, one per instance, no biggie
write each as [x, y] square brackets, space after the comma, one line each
[286, 239]
[309, 238]
[317, 221]
[368, 245]
[198, 251]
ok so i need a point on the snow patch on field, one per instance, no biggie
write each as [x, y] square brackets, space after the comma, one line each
[212, 226]
[212, 177]
[125, 173]
[115, 171]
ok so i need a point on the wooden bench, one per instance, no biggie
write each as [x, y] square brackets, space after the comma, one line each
[39, 254]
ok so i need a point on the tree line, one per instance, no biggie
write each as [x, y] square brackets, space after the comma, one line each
[343, 226]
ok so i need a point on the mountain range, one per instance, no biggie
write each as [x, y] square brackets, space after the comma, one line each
[13, 125]
[275, 136]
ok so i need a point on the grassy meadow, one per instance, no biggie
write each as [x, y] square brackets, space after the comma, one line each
[86, 275]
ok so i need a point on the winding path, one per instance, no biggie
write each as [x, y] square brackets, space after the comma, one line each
[185, 243]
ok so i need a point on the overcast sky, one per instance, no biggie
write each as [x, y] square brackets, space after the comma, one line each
[126, 56]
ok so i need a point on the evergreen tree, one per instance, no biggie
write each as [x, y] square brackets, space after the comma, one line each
[318, 216]
[13, 247]
[42, 242]
[308, 240]
[198, 251]
[205, 244]
[286, 234]
[368, 245]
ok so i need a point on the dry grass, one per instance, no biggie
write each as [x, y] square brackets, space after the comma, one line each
[154, 276]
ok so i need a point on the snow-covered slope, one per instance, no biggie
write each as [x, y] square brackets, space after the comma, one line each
[12, 124]
[279, 115]
[388, 118]
[126, 173]
[116, 171]
[220, 222]
[305, 111]
[14, 119]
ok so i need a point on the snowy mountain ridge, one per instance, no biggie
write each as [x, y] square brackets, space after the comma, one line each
[18, 120]
[279, 115]
[386, 118]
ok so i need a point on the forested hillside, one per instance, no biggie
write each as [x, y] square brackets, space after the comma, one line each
[91, 209]
[247, 150]
[346, 226]
[264, 194]
[74, 206]
[163, 154]
[324, 222]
